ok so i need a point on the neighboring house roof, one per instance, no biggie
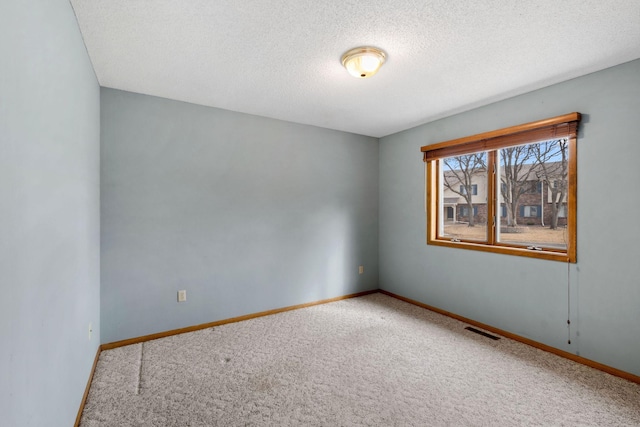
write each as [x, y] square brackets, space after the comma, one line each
[451, 200]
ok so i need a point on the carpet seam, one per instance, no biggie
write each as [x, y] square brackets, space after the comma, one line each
[140, 368]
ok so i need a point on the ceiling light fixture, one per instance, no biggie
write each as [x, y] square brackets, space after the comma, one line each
[363, 62]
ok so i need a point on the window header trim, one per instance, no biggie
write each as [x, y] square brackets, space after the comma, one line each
[565, 126]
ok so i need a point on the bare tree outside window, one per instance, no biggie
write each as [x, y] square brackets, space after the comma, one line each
[534, 188]
[461, 174]
[552, 166]
[516, 164]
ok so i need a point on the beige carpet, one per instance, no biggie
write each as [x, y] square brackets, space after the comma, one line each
[372, 361]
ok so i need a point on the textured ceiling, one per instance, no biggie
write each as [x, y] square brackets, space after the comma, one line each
[281, 59]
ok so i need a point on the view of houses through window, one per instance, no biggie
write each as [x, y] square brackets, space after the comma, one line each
[531, 183]
[464, 196]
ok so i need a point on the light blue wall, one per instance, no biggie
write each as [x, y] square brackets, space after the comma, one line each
[249, 214]
[526, 296]
[49, 213]
[245, 213]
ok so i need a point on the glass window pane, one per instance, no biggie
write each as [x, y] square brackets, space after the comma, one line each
[463, 197]
[532, 193]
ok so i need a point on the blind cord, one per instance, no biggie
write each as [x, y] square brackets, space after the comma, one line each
[568, 302]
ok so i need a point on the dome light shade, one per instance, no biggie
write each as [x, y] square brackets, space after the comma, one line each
[363, 62]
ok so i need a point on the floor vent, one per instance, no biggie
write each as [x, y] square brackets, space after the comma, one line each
[483, 333]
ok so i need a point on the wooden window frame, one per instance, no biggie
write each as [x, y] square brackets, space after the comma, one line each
[565, 126]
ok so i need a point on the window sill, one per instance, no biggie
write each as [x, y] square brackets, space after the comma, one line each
[506, 250]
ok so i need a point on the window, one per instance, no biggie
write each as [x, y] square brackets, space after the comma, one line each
[518, 182]
[474, 189]
[530, 211]
[459, 174]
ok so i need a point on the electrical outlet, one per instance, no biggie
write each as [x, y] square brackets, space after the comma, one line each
[361, 269]
[182, 296]
[90, 329]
